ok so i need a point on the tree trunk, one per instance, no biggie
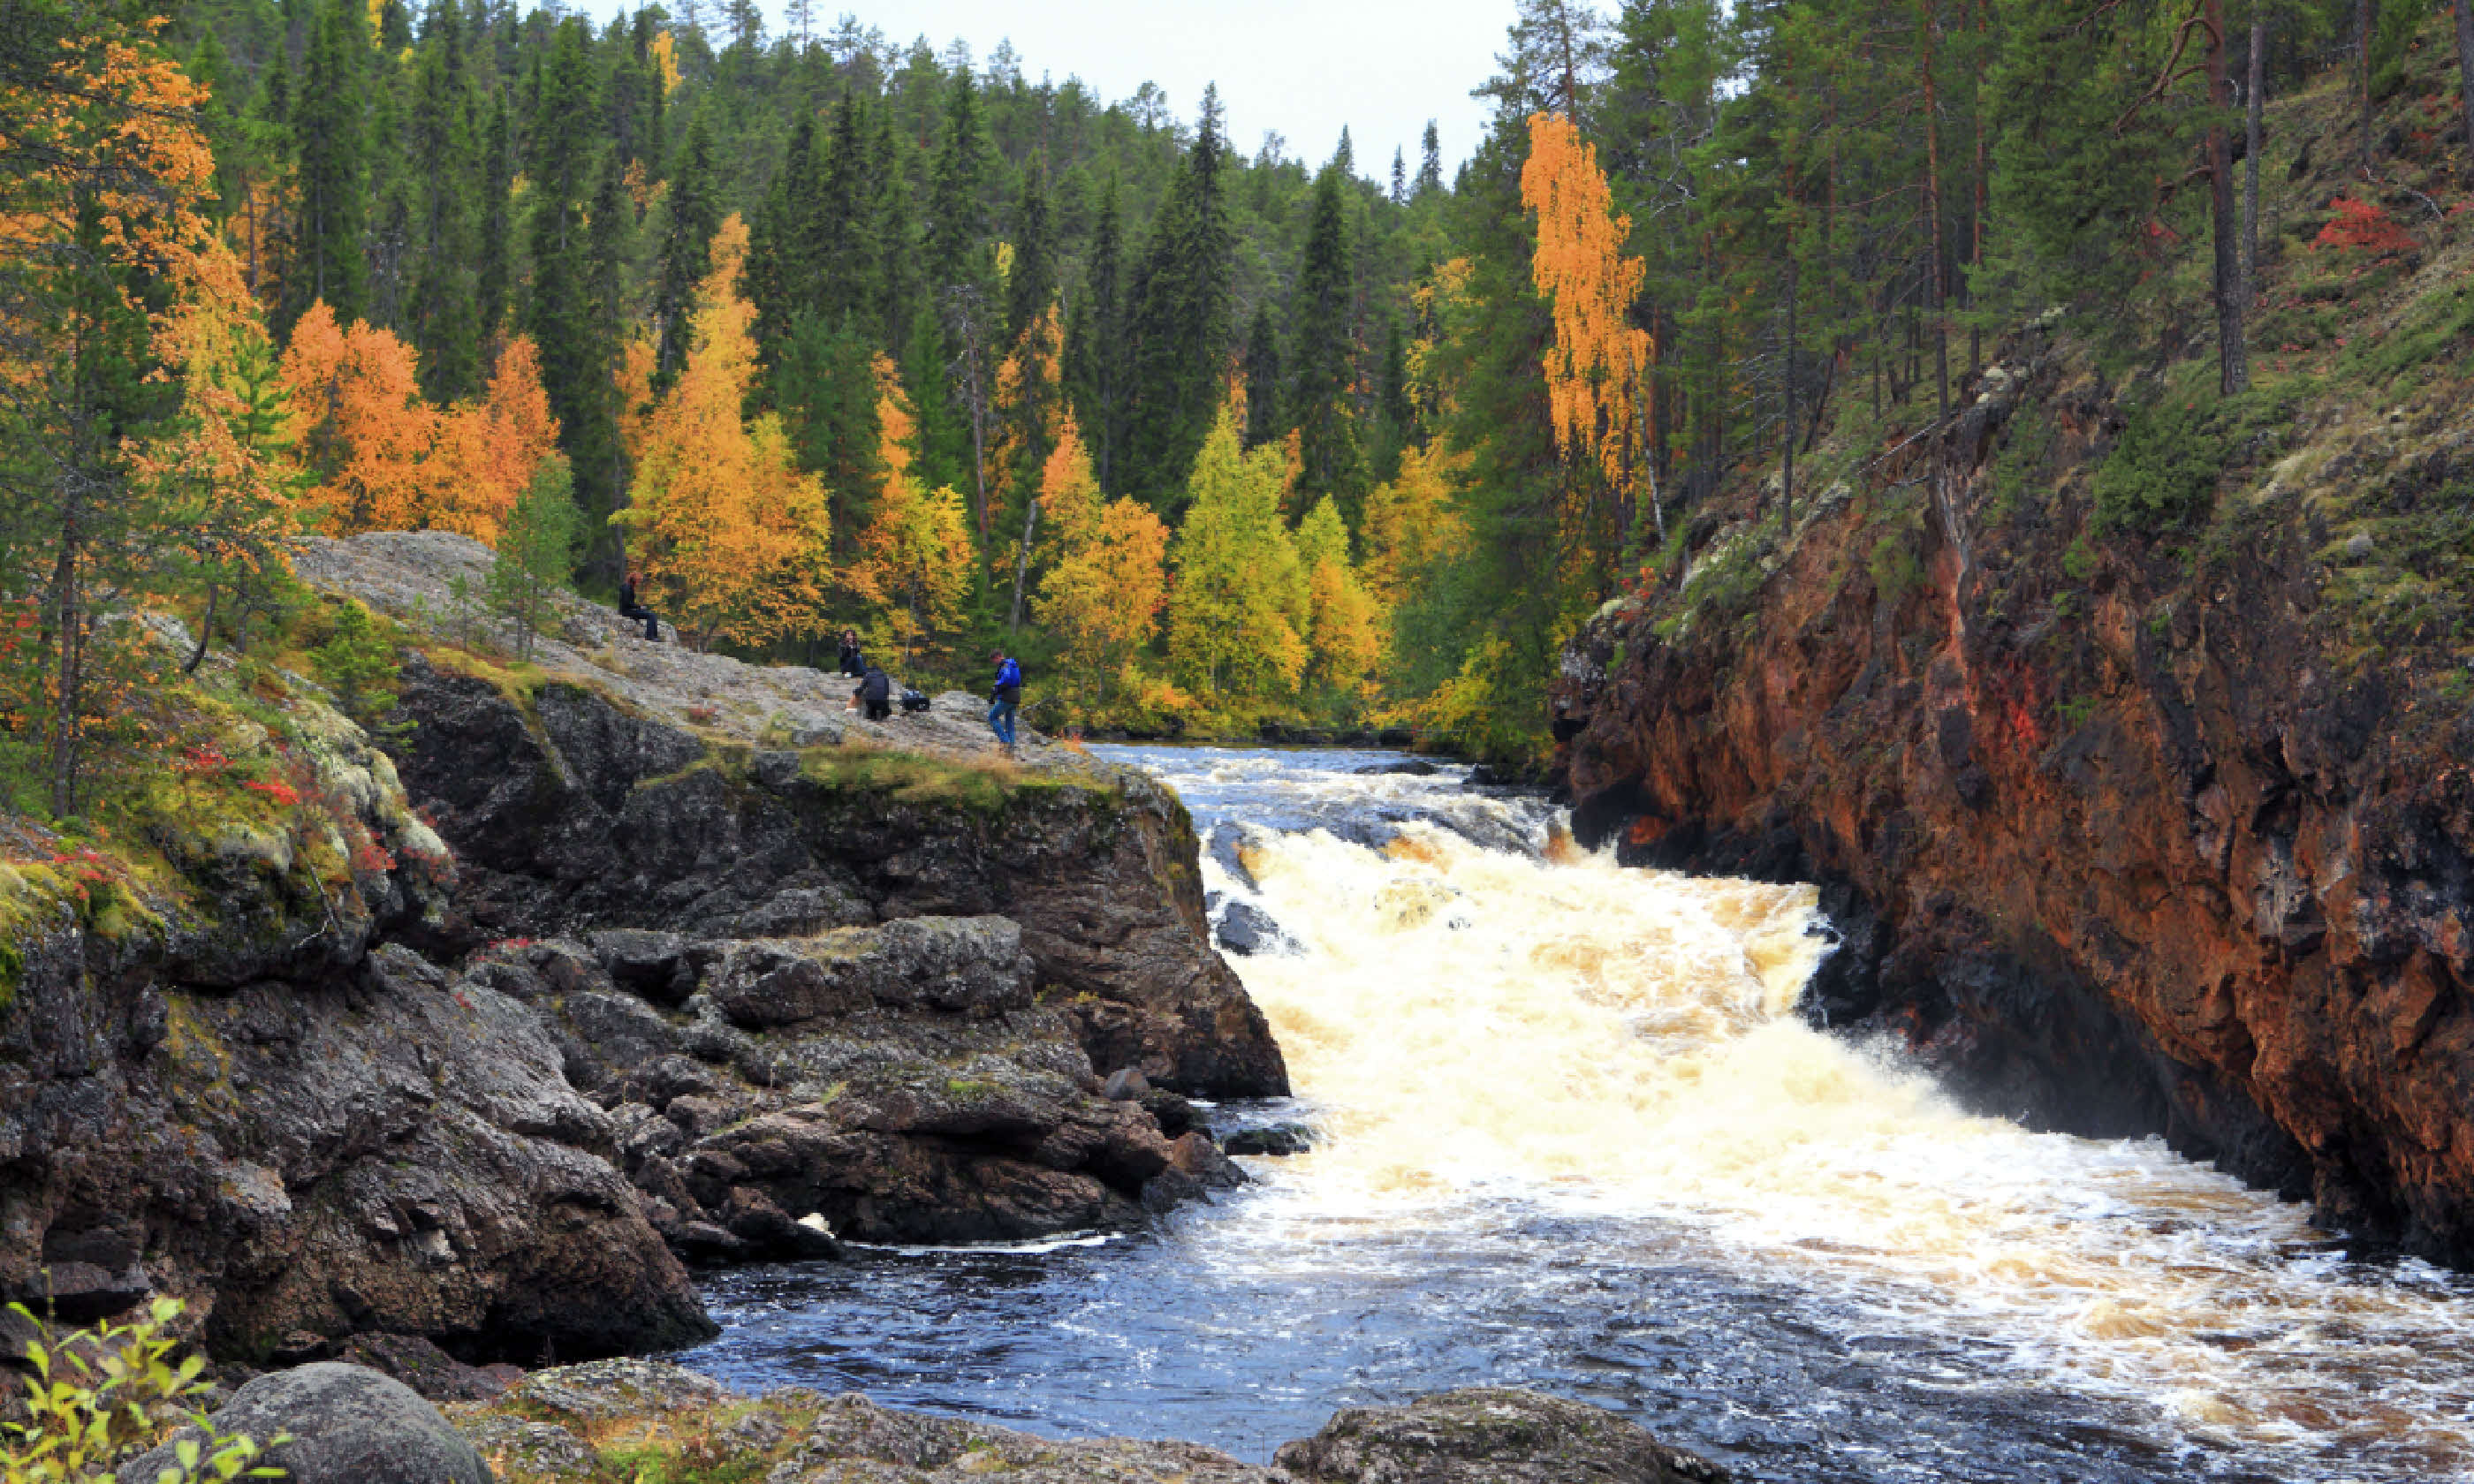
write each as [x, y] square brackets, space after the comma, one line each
[1021, 561]
[1786, 428]
[2252, 142]
[69, 618]
[2465, 71]
[2233, 369]
[206, 632]
[2363, 20]
[1932, 210]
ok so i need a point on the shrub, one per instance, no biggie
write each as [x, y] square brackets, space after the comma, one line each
[109, 1393]
[2359, 223]
[2164, 470]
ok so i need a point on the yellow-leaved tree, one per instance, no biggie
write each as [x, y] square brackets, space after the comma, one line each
[1412, 528]
[1108, 580]
[915, 554]
[1344, 624]
[725, 531]
[1239, 598]
[1600, 359]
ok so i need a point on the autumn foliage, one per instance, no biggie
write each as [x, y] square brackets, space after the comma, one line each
[385, 459]
[1594, 368]
[2360, 225]
[728, 534]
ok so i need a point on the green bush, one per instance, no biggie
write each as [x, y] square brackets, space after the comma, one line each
[2164, 470]
[103, 1396]
[358, 663]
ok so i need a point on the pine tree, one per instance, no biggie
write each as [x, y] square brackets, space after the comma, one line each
[780, 268]
[1396, 415]
[326, 263]
[1322, 356]
[536, 552]
[1400, 196]
[898, 285]
[842, 217]
[1430, 163]
[1266, 395]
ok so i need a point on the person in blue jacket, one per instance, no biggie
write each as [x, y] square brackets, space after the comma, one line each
[1008, 698]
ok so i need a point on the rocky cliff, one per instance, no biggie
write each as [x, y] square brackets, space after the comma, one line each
[2128, 828]
[599, 961]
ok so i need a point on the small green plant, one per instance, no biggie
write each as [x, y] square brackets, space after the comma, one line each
[358, 663]
[2164, 470]
[108, 1393]
[2078, 559]
[1896, 571]
[2076, 712]
[535, 553]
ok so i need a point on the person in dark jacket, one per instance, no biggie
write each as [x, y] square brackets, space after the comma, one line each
[1007, 700]
[854, 663]
[630, 608]
[875, 692]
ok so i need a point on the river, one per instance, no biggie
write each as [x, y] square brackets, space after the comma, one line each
[1574, 1136]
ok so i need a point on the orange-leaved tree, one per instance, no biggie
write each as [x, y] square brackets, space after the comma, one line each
[491, 449]
[725, 531]
[360, 424]
[1596, 366]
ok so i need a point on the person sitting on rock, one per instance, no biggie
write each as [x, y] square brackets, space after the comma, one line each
[630, 608]
[1006, 701]
[854, 663]
[875, 692]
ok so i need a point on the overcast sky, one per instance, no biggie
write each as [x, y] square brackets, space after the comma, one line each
[1303, 67]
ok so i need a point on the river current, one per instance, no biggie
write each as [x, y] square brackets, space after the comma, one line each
[1573, 1136]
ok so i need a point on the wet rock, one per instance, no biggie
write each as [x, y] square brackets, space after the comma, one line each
[1227, 846]
[1248, 930]
[1489, 1436]
[1270, 1138]
[1415, 767]
[348, 1426]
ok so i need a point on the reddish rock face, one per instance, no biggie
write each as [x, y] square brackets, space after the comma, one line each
[2122, 853]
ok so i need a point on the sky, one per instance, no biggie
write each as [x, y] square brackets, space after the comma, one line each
[1303, 67]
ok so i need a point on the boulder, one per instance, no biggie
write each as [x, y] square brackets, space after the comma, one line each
[600, 1390]
[426, 1369]
[1270, 1138]
[348, 1424]
[854, 1439]
[1248, 930]
[1489, 1435]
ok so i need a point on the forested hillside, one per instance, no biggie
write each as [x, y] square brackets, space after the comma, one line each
[811, 328]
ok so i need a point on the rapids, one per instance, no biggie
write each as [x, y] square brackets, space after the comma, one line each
[1574, 1135]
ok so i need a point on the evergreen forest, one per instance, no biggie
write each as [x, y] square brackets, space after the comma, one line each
[808, 327]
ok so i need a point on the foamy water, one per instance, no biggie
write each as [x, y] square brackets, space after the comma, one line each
[1562, 1101]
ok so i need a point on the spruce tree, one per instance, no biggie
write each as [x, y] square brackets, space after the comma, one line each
[695, 214]
[493, 277]
[1430, 163]
[566, 322]
[1395, 416]
[1095, 345]
[330, 221]
[446, 321]
[898, 285]
[1324, 357]
[1179, 322]
[841, 217]
[1265, 394]
[1033, 283]
[593, 440]
[781, 272]
[957, 217]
